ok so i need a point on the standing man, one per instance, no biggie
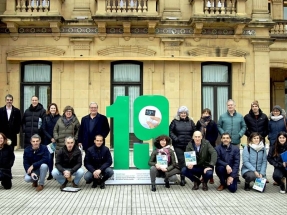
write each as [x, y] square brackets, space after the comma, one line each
[92, 125]
[256, 121]
[227, 165]
[10, 120]
[32, 120]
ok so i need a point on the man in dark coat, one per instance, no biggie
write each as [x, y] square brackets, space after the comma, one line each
[256, 121]
[97, 161]
[10, 120]
[227, 165]
[32, 120]
[92, 125]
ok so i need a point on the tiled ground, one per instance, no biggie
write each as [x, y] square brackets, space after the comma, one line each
[137, 199]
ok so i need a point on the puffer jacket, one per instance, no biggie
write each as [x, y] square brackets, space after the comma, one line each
[207, 155]
[274, 127]
[234, 125]
[61, 131]
[259, 124]
[48, 125]
[277, 161]
[66, 161]
[228, 156]
[7, 158]
[181, 131]
[254, 160]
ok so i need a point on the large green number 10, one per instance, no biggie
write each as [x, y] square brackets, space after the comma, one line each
[151, 119]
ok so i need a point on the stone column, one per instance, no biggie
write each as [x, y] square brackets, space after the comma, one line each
[81, 9]
[171, 9]
[260, 9]
[277, 9]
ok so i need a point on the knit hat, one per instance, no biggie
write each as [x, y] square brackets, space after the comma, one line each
[278, 108]
[255, 103]
[182, 109]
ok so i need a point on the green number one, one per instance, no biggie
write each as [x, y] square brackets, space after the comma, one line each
[120, 112]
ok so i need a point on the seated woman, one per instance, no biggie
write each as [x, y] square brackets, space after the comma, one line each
[274, 158]
[254, 160]
[162, 145]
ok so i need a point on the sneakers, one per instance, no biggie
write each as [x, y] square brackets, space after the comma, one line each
[40, 187]
[282, 186]
[64, 185]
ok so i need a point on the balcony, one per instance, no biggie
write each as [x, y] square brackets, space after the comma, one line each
[34, 6]
[280, 29]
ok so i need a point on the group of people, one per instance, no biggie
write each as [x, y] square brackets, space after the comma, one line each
[201, 137]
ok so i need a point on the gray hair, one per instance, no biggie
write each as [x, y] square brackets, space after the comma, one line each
[8, 96]
[93, 103]
[35, 136]
[231, 100]
[69, 137]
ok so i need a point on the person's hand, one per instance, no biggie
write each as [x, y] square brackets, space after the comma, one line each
[206, 169]
[53, 140]
[260, 176]
[80, 145]
[256, 174]
[229, 181]
[189, 166]
[228, 169]
[97, 173]
[164, 169]
[30, 169]
[151, 124]
[157, 166]
[284, 164]
[67, 174]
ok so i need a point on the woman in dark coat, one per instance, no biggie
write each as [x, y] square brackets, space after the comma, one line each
[48, 125]
[180, 131]
[7, 158]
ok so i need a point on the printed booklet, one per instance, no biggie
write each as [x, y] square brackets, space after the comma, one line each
[190, 158]
[259, 184]
[284, 158]
[51, 147]
[162, 161]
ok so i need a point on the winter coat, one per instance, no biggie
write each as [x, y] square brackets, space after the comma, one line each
[228, 156]
[171, 164]
[48, 125]
[66, 161]
[277, 161]
[181, 131]
[98, 158]
[234, 125]
[61, 131]
[211, 132]
[254, 161]
[274, 128]
[12, 127]
[259, 124]
[7, 158]
[32, 122]
[35, 157]
[207, 155]
[101, 127]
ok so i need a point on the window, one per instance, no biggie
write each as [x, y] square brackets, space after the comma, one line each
[215, 87]
[285, 10]
[35, 80]
[127, 81]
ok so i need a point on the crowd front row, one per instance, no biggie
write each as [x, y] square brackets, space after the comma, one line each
[224, 159]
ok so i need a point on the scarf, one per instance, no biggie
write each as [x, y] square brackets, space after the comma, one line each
[257, 147]
[68, 122]
[276, 118]
[165, 151]
[204, 122]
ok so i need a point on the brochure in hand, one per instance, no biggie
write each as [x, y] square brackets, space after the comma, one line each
[284, 158]
[162, 161]
[259, 184]
[190, 158]
[51, 147]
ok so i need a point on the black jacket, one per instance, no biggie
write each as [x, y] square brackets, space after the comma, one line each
[97, 158]
[181, 131]
[35, 157]
[66, 161]
[48, 125]
[259, 125]
[12, 127]
[211, 133]
[276, 161]
[30, 122]
[7, 159]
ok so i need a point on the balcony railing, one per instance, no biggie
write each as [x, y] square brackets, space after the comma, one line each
[32, 6]
[280, 29]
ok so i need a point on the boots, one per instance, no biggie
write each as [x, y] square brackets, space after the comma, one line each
[204, 186]
[195, 186]
[282, 187]
[247, 187]
[95, 183]
[153, 188]
[182, 180]
[166, 183]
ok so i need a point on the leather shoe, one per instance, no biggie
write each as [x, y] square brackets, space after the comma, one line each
[35, 184]
[221, 187]
[204, 186]
[153, 188]
[50, 177]
[211, 181]
[40, 187]
[102, 185]
[196, 185]
[166, 183]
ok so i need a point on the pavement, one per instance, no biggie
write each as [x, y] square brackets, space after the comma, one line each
[137, 199]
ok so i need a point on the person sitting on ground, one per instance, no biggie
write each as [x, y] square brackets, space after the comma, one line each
[206, 157]
[275, 159]
[7, 158]
[227, 165]
[254, 160]
[97, 161]
[162, 145]
[68, 164]
[35, 160]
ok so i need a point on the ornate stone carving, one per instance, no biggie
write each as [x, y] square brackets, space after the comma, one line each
[13, 27]
[102, 31]
[127, 30]
[55, 26]
[81, 43]
[197, 27]
[172, 43]
[128, 49]
[262, 45]
[239, 29]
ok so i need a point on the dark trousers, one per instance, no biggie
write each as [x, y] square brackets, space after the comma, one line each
[179, 151]
[278, 174]
[222, 175]
[51, 162]
[249, 176]
[196, 172]
[6, 181]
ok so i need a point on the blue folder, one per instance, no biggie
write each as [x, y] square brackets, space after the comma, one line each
[284, 157]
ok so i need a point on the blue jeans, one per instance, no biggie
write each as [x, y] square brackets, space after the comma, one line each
[222, 175]
[107, 173]
[61, 179]
[41, 173]
[196, 172]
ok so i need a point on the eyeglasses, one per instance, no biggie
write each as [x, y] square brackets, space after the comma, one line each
[68, 111]
[93, 107]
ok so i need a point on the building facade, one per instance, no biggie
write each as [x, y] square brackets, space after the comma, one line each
[197, 53]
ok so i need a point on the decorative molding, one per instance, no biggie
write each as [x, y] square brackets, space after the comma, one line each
[238, 30]
[262, 45]
[197, 27]
[279, 85]
[250, 32]
[216, 52]
[41, 49]
[55, 27]
[151, 26]
[127, 30]
[12, 26]
[102, 31]
[130, 49]
[172, 43]
[81, 43]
